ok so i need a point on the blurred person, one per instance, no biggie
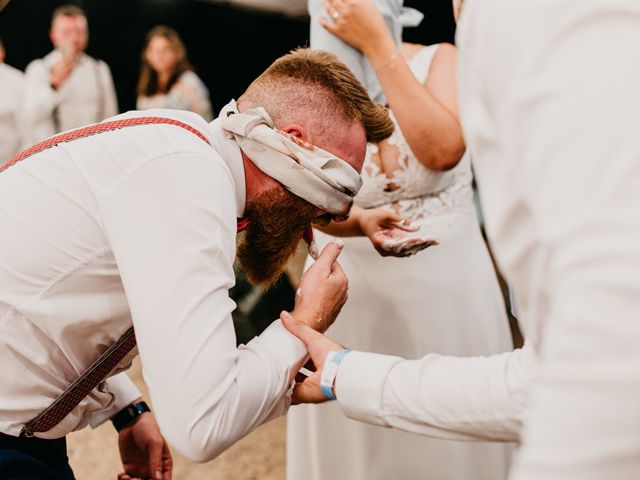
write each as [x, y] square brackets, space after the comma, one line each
[445, 300]
[67, 88]
[134, 221]
[167, 80]
[11, 92]
[559, 178]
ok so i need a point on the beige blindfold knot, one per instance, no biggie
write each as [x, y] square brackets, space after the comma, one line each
[311, 173]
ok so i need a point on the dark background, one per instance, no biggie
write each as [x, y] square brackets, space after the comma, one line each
[229, 47]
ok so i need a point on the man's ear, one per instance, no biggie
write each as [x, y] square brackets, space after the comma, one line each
[295, 130]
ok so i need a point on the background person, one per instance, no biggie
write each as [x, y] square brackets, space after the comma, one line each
[11, 93]
[67, 88]
[445, 300]
[167, 80]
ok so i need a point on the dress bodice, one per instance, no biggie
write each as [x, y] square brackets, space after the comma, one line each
[414, 190]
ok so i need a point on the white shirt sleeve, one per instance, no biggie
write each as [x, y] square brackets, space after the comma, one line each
[172, 227]
[109, 92]
[456, 398]
[124, 393]
[39, 101]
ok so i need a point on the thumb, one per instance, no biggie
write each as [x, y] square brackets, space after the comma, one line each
[300, 329]
[154, 452]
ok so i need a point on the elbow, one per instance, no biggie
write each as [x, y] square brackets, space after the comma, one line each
[446, 159]
[446, 156]
[197, 448]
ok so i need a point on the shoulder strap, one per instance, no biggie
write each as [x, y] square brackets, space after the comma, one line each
[104, 365]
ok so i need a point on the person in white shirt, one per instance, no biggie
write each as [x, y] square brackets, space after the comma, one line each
[138, 225]
[12, 81]
[549, 101]
[67, 88]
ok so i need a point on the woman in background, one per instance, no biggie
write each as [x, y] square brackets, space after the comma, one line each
[444, 300]
[167, 79]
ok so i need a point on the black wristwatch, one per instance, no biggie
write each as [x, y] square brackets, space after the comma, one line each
[128, 414]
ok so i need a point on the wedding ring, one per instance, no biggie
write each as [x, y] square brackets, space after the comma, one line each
[335, 14]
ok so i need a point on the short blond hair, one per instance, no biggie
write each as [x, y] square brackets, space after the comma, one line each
[316, 83]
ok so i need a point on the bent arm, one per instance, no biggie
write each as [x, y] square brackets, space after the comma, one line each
[171, 226]
[455, 398]
[110, 106]
[427, 114]
[39, 102]
[124, 393]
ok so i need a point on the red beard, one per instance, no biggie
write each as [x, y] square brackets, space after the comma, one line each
[277, 221]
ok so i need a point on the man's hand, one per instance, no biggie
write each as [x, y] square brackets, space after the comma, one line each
[61, 71]
[323, 290]
[308, 391]
[143, 450]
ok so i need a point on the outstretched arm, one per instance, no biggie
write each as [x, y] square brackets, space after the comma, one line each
[455, 398]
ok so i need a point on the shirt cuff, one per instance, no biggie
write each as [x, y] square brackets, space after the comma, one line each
[360, 383]
[286, 347]
[124, 393]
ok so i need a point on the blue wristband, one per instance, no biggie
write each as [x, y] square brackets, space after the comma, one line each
[329, 371]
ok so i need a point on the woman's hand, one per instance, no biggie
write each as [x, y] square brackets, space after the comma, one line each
[381, 225]
[358, 23]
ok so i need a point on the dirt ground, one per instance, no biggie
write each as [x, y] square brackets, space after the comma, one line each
[259, 456]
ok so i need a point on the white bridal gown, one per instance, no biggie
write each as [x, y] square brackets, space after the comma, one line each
[444, 300]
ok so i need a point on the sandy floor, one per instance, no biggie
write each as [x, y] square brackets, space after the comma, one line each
[259, 456]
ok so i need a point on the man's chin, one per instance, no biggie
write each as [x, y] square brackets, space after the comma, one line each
[260, 276]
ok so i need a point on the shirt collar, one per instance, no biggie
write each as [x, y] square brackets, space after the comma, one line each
[230, 152]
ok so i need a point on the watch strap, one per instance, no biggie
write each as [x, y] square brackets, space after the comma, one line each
[128, 414]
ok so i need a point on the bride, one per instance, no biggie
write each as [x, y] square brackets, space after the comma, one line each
[444, 300]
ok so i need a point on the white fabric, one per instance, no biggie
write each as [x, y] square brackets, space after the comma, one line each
[309, 172]
[444, 300]
[87, 96]
[135, 224]
[188, 93]
[549, 101]
[11, 89]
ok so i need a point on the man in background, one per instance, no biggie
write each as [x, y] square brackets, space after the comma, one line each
[67, 88]
[12, 81]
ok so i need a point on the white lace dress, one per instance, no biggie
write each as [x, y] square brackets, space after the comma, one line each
[445, 300]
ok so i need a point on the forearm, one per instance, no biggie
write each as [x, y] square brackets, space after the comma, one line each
[348, 228]
[476, 398]
[431, 129]
[124, 393]
[40, 98]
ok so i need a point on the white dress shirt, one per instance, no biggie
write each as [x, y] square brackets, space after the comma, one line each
[140, 224]
[549, 102]
[11, 88]
[86, 96]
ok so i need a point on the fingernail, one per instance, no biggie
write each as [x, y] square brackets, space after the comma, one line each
[157, 475]
[339, 243]
[286, 315]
